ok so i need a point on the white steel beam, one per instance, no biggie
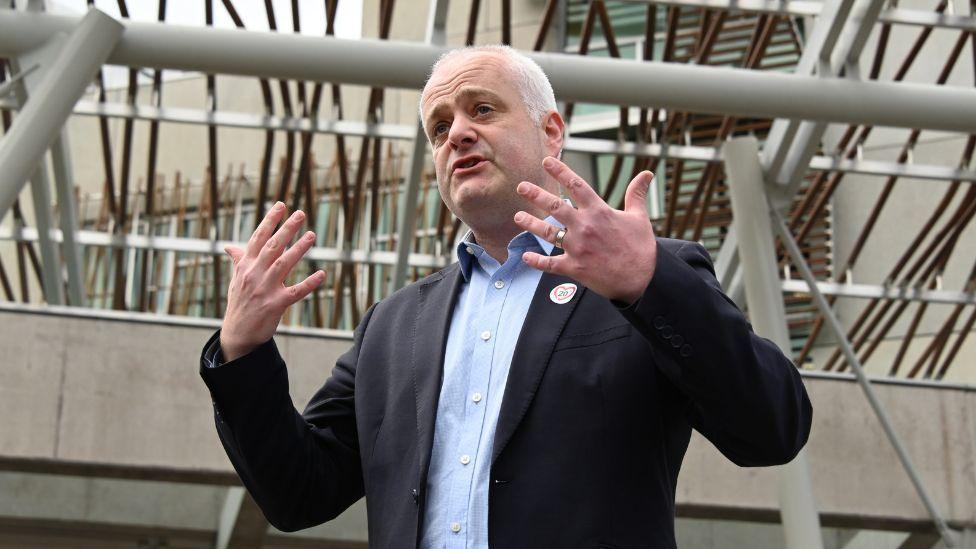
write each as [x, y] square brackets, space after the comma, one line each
[40, 188]
[791, 142]
[203, 246]
[803, 8]
[70, 251]
[816, 52]
[902, 16]
[737, 92]
[40, 180]
[242, 524]
[949, 538]
[10, 85]
[402, 132]
[206, 246]
[795, 155]
[877, 291]
[829, 163]
[89, 41]
[231, 119]
[801, 522]
[436, 36]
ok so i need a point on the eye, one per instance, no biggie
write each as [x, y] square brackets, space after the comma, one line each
[483, 109]
[440, 128]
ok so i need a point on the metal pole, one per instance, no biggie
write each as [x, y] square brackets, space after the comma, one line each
[51, 272]
[61, 161]
[436, 21]
[10, 85]
[794, 250]
[40, 185]
[757, 254]
[694, 88]
[38, 124]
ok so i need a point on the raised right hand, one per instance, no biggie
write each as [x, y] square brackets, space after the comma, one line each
[257, 296]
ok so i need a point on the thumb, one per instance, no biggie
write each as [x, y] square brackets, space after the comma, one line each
[235, 253]
[635, 199]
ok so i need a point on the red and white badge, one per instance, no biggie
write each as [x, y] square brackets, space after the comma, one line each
[563, 293]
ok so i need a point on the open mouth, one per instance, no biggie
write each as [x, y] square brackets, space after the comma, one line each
[469, 166]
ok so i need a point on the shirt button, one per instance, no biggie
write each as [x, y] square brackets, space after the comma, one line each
[486, 335]
[455, 527]
[465, 459]
[499, 284]
[476, 397]
[470, 250]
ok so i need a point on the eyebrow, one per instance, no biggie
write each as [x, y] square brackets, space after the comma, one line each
[464, 93]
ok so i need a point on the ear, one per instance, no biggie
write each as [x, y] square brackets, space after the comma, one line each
[552, 128]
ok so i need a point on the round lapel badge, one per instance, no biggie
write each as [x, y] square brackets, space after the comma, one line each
[563, 293]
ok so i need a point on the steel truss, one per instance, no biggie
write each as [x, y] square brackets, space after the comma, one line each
[662, 125]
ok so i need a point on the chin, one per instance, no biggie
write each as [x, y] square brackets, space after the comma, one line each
[472, 189]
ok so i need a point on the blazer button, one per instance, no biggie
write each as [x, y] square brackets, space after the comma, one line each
[667, 332]
[415, 494]
[677, 340]
[685, 350]
[659, 322]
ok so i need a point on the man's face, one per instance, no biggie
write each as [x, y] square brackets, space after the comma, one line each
[484, 142]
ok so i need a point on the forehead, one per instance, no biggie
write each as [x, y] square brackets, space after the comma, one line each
[485, 70]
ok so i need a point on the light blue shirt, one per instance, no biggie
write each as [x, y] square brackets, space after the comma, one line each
[487, 320]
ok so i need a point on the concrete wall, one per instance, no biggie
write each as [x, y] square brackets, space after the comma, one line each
[101, 397]
[90, 398]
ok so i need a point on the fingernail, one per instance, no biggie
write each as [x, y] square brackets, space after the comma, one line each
[521, 188]
[549, 162]
[519, 217]
[309, 235]
[278, 206]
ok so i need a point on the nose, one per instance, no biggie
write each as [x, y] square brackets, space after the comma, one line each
[461, 134]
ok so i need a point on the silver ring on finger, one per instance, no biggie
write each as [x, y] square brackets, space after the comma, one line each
[560, 235]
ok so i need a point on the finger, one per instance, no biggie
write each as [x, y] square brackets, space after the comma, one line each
[298, 292]
[265, 229]
[547, 263]
[276, 244]
[235, 254]
[580, 191]
[284, 264]
[550, 203]
[635, 199]
[536, 226]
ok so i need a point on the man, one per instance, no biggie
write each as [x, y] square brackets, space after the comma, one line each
[540, 392]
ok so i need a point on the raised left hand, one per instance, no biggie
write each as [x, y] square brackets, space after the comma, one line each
[612, 252]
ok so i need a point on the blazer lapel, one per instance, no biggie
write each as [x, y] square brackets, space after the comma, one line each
[542, 327]
[437, 297]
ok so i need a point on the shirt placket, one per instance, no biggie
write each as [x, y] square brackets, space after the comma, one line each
[470, 444]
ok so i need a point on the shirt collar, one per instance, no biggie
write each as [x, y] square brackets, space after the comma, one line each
[522, 241]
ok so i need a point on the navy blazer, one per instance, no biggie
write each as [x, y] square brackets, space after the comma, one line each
[594, 423]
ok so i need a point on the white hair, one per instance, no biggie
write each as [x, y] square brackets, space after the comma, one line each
[533, 84]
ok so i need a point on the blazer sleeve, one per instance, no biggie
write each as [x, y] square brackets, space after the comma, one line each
[301, 469]
[743, 394]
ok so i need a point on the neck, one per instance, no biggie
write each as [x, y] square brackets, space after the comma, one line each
[496, 242]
